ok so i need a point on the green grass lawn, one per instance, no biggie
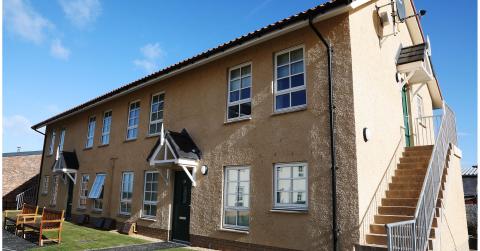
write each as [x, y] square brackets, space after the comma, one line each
[80, 238]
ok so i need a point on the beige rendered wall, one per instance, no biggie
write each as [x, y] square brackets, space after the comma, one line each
[377, 96]
[196, 100]
[453, 223]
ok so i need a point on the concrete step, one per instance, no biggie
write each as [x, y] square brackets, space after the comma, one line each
[407, 202]
[412, 165]
[407, 178]
[406, 186]
[370, 247]
[411, 171]
[378, 229]
[417, 153]
[419, 148]
[377, 239]
[385, 219]
[403, 193]
[414, 159]
[396, 210]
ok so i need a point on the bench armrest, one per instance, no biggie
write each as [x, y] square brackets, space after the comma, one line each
[51, 221]
[7, 212]
[30, 218]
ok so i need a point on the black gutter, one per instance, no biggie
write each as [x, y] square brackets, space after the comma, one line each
[41, 167]
[331, 109]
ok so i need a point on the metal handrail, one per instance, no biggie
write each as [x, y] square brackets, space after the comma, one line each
[399, 235]
[28, 194]
[372, 208]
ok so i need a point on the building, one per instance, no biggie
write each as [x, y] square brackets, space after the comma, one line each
[233, 148]
[469, 178]
[20, 174]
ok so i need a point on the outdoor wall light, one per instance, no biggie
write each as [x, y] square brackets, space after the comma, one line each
[367, 134]
[204, 169]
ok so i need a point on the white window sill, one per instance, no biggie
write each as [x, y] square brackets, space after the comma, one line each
[238, 231]
[152, 135]
[230, 121]
[291, 109]
[97, 211]
[289, 210]
[148, 218]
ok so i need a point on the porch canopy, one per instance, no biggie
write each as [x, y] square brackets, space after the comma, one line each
[174, 149]
[66, 163]
[415, 62]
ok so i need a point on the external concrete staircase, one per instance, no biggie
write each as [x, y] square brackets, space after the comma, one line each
[401, 198]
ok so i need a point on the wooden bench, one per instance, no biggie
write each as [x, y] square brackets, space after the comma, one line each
[17, 216]
[51, 221]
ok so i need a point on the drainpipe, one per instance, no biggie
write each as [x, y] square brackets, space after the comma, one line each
[331, 109]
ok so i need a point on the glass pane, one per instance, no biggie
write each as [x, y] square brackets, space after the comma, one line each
[245, 93]
[235, 74]
[283, 172]
[283, 84]
[298, 171]
[148, 196]
[232, 174]
[243, 187]
[243, 218]
[153, 129]
[233, 111]
[154, 187]
[246, 70]
[283, 197]
[298, 80]
[246, 82]
[231, 200]
[282, 59]
[155, 177]
[299, 198]
[234, 96]
[234, 85]
[245, 109]
[284, 185]
[296, 55]
[299, 185]
[148, 177]
[282, 71]
[230, 217]
[299, 98]
[232, 187]
[296, 67]
[244, 174]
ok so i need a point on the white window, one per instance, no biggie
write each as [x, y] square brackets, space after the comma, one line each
[52, 143]
[291, 186]
[126, 193]
[90, 132]
[240, 92]
[97, 191]
[107, 123]
[46, 179]
[290, 88]
[150, 195]
[156, 114]
[62, 140]
[133, 116]
[53, 201]
[236, 198]
[419, 105]
[84, 191]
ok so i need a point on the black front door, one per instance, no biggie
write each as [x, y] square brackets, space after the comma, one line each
[181, 207]
[68, 212]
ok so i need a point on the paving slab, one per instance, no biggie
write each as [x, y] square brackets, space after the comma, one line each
[12, 242]
[145, 247]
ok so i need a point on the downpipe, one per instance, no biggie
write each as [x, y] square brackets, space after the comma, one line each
[331, 109]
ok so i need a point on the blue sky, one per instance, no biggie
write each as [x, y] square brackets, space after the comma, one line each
[58, 54]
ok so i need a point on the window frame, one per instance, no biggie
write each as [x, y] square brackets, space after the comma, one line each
[51, 148]
[289, 90]
[83, 189]
[150, 122]
[135, 126]
[419, 106]
[61, 140]
[150, 202]
[240, 101]
[92, 121]
[106, 134]
[97, 204]
[235, 208]
[46, 180]
[123, 200]
[56, 182]
[290, 206]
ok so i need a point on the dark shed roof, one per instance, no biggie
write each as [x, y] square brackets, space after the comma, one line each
[305, 15]
[71, 160]
[412, 53]
[182, 145]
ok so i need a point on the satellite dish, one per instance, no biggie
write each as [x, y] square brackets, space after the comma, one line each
[401, 13]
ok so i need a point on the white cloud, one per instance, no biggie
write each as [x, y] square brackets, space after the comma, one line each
[151, 52]
[58, 50]
[17, 125]
[22, 19]
[81, 12]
